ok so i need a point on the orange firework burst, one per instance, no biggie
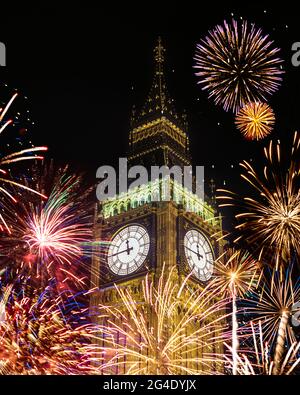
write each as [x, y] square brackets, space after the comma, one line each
[255, 120]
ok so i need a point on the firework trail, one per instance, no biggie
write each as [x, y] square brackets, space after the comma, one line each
[258, 361]
[274, 306]
[236, 273]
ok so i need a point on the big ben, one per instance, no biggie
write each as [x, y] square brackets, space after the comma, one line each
[146, 236]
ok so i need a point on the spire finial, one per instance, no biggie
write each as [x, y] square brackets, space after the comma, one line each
[159, 52]
[158, 101]
[213, 192]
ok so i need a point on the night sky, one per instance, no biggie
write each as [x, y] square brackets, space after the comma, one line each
[82, 68]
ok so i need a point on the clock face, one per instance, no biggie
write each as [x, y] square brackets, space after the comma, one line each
[199, 254]
[128, 250]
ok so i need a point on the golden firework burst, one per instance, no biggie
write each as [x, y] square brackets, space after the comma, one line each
[236, 272]
[236, 63]
[255, 120]
[170, 329]
[269, 220]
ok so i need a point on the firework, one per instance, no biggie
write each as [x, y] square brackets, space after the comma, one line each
[255, 120]
[18, 156]
[236, 273]
[170, 329]
[270, 222]
[36, 337]
[3, 301]
[47, 236]
[237, 65]
[258, 361]
[274, 306]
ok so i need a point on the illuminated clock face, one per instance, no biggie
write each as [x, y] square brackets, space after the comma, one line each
[128, 250]
[199, 254]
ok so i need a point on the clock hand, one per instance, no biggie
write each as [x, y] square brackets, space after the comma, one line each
[120, 252]
[197, 253]
[191, 250]
[128, 249]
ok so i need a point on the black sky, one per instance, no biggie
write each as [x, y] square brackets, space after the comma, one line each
[83, 66]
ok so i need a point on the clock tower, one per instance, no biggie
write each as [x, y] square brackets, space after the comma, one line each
[141, 235]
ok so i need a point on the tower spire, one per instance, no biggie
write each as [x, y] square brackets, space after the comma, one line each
[158, 101]
[158, 136]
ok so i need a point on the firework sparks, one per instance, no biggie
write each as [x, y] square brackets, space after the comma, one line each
[171, 329]
[25, 154]
[3, 302]
[273, 306]
[236, 272]
[37, 338]
[270, 223]
[255, 120]
[237, 65]
[258, 361]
